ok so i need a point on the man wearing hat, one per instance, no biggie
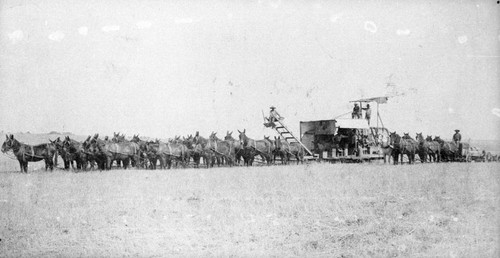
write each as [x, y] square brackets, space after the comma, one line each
[355, 111]
[368, 113]
[272, 117]
[457, 138]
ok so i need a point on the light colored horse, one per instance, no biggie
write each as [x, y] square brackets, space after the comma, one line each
[386, 148]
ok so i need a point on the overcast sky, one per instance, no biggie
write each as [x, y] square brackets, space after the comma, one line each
[162, 68]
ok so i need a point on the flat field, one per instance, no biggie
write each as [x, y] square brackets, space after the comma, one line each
[332, 210]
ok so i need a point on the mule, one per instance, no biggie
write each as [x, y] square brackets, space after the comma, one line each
[76, 152]
[253, 147]
[282, 149]
[386, 149]
[223, 150]
[236, 145]
[202, 149]
[433, 150]
[166, 152]
[28, 153]
[449, 150]
[61, 151]
[403, 146]
[142, 149]
[110, 151]
[422, 148]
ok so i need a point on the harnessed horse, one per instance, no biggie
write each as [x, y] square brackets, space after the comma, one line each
[422, 147]
[255, 147]
[109, 151]
[142, 147]
[30, 153]
[282, 149]
[386, 149]
[449, 150]
[166, 152]
[201, 148]
[223, 150]
[236, 145]
[403, 146]
[76, 152]
[433, 148]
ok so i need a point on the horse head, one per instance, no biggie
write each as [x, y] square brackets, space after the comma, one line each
[213, 136]
[229, 136]
[188, 142]
[438, 139]
[428, 138]
[419, 137]
[8, 144]
[267, 138]
[394, 138]
[243, 137]
[118, 138]
[407, 136]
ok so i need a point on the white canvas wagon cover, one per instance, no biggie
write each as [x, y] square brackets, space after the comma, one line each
[352, 123]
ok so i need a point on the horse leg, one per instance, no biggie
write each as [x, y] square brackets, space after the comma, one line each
[109, 161]
[21, 165]
[395, 158]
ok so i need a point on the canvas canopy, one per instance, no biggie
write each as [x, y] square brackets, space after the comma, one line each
[352, 123]
[379, 100]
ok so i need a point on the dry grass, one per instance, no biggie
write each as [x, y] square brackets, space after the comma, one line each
[447, 210]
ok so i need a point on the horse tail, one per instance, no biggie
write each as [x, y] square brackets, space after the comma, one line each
[55, 158]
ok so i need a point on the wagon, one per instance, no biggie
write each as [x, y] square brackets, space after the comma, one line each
[476, 154]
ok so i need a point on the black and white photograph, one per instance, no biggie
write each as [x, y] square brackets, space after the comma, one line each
[249, 128]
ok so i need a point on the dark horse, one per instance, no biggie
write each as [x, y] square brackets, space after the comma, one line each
[28, 153]
[142, 147]
[124, 151]
[76, 152]
[433, 149]
[223, 150]
[282, 149]
[62, 152]
[251, 148]
[423, 147]
[202, 148]
[237, 147]
[403, 146]
[449, 150]
[166, 152]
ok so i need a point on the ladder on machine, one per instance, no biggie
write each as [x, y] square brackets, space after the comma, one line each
[278, 125]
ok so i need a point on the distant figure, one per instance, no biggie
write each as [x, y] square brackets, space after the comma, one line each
[457, 138]
[368, 113]
[356, 111]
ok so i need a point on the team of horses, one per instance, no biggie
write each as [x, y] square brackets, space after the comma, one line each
[428, 149]
[97, 153]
